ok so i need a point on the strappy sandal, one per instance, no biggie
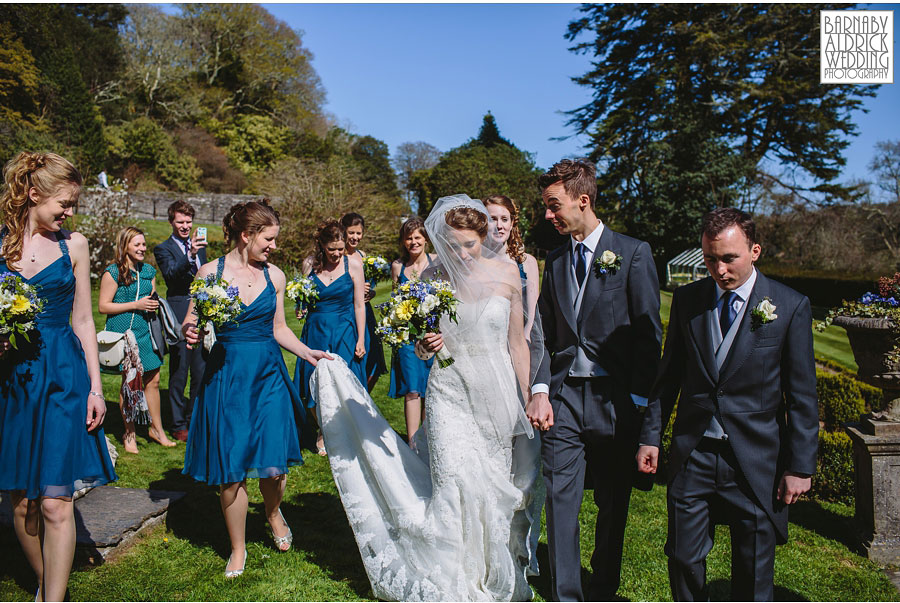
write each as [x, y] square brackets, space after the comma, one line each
[281, 541]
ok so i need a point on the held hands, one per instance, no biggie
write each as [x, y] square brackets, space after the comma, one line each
[539, 411]
[792, 487]
[146, 304]
[96, 412]
[647, 459]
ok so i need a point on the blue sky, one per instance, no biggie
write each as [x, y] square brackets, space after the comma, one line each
[408, 72]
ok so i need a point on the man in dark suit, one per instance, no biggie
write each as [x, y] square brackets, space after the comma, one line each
[179, 257]
[739, 350]
[599, 306]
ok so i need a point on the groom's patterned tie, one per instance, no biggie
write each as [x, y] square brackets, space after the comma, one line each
[580, 268]
[727, 312]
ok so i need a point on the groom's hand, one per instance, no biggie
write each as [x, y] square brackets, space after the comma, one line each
[792, 486]
[647, 458]
[539, 411]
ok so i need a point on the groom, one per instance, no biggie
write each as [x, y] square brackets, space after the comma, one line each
[599, 307]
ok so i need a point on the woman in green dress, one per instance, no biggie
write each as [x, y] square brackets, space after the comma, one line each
[126, 308]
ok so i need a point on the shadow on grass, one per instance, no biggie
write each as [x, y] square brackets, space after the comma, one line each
[13, 562]
[542, 585]
[720, 590]
[828, 524]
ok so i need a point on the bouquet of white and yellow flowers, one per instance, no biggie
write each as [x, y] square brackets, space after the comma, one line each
[415, 309]
[302, 290]
[19, 306]
[215, 301]
[376, 268]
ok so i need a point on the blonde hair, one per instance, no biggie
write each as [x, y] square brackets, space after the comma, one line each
[123, 239]
[44, 172]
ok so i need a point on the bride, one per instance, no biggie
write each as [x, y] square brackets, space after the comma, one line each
[455, 517]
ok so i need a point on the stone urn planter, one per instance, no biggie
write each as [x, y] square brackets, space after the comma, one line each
[876, 440]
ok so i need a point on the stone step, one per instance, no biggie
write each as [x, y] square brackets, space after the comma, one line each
[107, 518]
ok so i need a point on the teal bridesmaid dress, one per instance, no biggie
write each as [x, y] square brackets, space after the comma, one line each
[409, 374]
[45, 448]
[330, 326]
[374, 360]
[247, 418]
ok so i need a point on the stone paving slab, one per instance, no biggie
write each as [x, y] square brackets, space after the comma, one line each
[107, 517]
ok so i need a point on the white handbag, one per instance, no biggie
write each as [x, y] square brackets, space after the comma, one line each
[111, 344]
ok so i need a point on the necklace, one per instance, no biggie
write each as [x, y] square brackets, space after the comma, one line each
[33, 259]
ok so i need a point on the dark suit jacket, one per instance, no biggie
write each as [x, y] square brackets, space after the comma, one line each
[618, 324]
[765, 393]
[176, 271]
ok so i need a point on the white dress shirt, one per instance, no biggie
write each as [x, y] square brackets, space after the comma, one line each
[181, 243]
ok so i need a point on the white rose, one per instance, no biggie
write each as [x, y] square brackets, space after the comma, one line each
[218, 291]
[428, 304]
[768, 309]
[608, 257]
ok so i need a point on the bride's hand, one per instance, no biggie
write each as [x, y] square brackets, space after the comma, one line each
[539, 411]
[432, 342]
[314, 356]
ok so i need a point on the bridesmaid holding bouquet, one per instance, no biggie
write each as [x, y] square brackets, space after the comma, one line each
[51, 397]
[336, 322]
[247, 417]
[355, 225]
[409, 373]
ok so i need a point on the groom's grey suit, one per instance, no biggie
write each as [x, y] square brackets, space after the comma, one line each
[603, 344]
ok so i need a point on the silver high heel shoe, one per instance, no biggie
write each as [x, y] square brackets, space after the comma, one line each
[235, 573]
[282, 540]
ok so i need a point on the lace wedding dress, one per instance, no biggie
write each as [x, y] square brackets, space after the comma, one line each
[458, 518]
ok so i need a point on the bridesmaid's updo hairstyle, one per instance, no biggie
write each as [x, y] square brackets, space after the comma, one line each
[467, 218]
[410, 226]
[46, 173]
[327, 232]
[514, 245]
[123, 239]
[250, 217]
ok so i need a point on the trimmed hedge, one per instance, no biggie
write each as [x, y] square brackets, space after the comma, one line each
[835, 476]
[824, 291]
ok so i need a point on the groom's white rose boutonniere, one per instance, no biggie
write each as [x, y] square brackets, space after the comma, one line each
[609, 262]
[763, 313]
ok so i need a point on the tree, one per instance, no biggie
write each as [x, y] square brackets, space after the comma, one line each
[487, 165]
[886, 167]
[410, 158]
[709, 93]
[19, 77]
[373, 160]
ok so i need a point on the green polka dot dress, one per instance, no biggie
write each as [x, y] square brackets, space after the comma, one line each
[140, 327]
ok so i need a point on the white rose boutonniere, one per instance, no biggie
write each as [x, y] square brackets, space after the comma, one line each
[609, 262]
[763, 313]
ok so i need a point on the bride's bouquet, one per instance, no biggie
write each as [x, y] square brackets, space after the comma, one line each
[19, 306]
[302, 291]
[376, 268]
[415, 309]
[216, 303]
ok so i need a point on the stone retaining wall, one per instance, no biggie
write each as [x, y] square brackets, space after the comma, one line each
[210, 207]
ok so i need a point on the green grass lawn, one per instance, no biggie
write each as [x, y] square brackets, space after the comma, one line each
[184, 558]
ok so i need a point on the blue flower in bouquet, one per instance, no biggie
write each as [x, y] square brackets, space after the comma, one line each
[302, 291]
[376, 268]
[215, 301]
[19, 307]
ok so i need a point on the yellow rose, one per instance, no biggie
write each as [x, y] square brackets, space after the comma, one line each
[20, 304]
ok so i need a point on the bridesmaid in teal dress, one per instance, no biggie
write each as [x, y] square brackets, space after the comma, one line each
[127, 308]
[336, 321]
[247, 418]
[51, 400]
[409, 373]
[354, 224]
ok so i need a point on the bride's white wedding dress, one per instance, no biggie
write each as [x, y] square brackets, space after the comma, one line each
[457, 519]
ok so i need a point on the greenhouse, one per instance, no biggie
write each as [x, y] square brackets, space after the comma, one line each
[685, 268]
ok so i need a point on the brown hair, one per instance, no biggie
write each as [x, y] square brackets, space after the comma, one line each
[46, 173]
[250, 217]
[123, 239]
[578, 177]
[723, 218]
[468, 218]
[406, 229]
[352, 219]
[181, 207]
[327, 232]
[515, 248]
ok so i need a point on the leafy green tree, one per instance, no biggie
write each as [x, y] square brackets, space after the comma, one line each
[690, 101]
[373, 160]
[19, 77]
[486, 165]
[143, 143]
[409, 159]
[252, 143]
